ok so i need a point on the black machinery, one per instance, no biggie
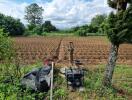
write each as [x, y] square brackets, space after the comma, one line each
[74, 77]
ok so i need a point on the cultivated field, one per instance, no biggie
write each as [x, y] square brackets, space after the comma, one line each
[89, 50]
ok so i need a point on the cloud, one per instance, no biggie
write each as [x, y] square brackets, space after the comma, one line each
[62, 13]
[13, 9]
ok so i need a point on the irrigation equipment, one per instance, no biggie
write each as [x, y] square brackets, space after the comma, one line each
[74, 77]
[71, 51]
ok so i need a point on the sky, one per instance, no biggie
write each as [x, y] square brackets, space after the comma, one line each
[62, 13]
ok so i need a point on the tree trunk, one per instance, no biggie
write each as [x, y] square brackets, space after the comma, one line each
[111, 64]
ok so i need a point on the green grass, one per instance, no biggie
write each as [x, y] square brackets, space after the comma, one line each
[71, 34]
[59, 34]
[121, 90]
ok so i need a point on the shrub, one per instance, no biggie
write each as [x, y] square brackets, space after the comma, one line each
[6, 49]
[11, 25]
[81, 32]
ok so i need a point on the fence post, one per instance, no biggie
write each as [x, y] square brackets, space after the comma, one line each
[51, 87]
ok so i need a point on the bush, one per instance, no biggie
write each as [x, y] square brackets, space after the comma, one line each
[81, 32]
[48, 27]
[33, 30]
[12, 26]
[37, 30]
[6, 49]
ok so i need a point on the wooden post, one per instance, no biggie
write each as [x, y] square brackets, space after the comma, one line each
[71, 51]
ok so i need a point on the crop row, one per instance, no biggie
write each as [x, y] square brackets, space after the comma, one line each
[95, 50]
[90, 50]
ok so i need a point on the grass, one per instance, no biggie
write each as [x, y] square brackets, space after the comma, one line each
[65, 33]
[59, 34]
[121, 89]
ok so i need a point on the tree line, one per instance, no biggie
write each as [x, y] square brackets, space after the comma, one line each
[35, 26]
[94, 28]
[10, 25]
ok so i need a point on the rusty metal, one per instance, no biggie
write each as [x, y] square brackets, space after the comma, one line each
[71, 51]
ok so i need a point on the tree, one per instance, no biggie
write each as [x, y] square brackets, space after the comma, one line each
[48, 27]
[96, 22]
[92, 29]
[12, 26]
[34, 14]
[74, 29]
[118, 28]
[38, 30]
[34, 30]
[6, 50]
[82, 32]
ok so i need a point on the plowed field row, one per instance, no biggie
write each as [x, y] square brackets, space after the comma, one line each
[30, 50]
[89, 50]
[95, 50]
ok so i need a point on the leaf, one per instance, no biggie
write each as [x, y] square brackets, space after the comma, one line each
[121, 34]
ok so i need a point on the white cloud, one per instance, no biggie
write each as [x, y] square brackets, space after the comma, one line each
[62, 13]
[13, 9]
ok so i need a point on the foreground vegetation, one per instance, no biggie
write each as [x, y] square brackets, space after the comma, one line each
[11, 74]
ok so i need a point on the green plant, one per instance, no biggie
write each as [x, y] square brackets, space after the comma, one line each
[118, 29]
[11, 25]
[10, 87]
[60, 94]
[6, 49]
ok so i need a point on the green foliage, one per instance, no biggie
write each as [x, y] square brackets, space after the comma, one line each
[35, 20]
[118, 4]
[118, 29]
[118, 26]
[10, 87]
[94, 86]
[6, 49]
[98, 20]
[112, 4]
[31, 26]
[82, 32]
[96, 25]
[43, 29]
[92, 83]
[60, 93]
[102, 28]
[12, 26]
[89, 30]
[48, 27]
[94, 28]
[36, 30]
[34, 14]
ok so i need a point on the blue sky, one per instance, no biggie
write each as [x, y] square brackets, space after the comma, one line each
[28, 1]
[31, 1]
[62, 13]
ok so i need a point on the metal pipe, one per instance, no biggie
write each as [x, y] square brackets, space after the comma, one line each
[51, 87]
